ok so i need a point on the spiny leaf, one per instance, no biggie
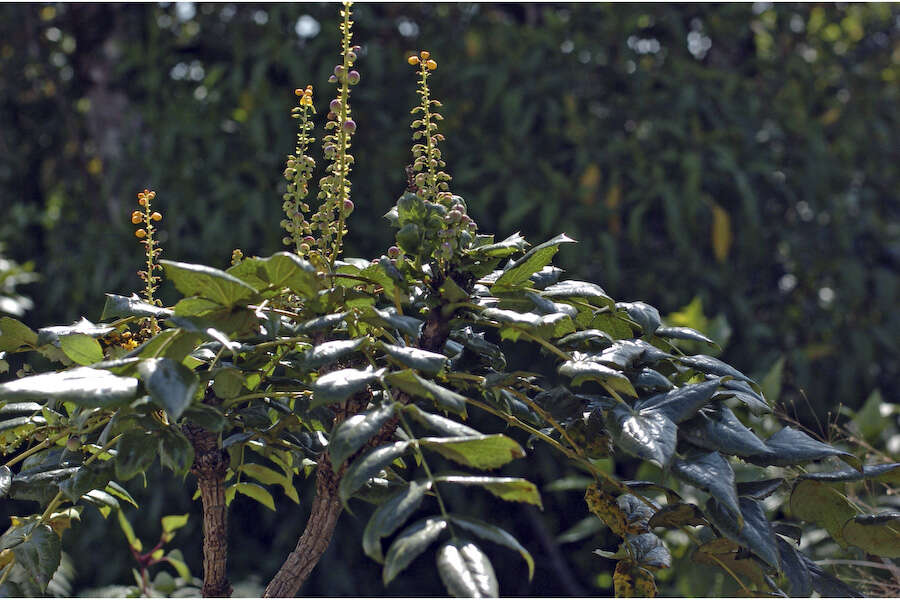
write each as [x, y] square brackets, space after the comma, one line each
[573, 288]
[388, 517]
[122, 306]
[534, 260]
[511, 245]
[15, 334]
[683, 333]
[466, 570]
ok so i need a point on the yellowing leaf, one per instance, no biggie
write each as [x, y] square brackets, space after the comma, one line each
[721, 233]
[605, 506]
[631, 581]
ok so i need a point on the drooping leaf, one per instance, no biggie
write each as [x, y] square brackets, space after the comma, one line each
[534, 260]
[171, 385]
[643, 314]
[545, 277]
[408, 381]
[587, 370]
[36, 548]
[388, 517]
[756, 533]
[511, 489]
[479, 452]
[759, 490]
[15, 334]
[677, 515]
[356, 431]
[744, 392]
[82, 385]
[683, 333]
[572, 288]
[175, 451]
[416, 358]
[257, 492]
[123, 306]
[622, 354]
[466, 570]
[329, 352]
[712, 366]
[632, 581]
[511, 245]
[792, 447]
[887, 473]
[339, 385]
[826, 584]
[207, 282]
[877, 534]
[87, 478]
[649, 551]
[795, 570]
[52, 335]
[81, 349]
[5, 481]
[645, 434]
[712, 474]
[368, 466]
[136, 451]
[649, 380]
[719, 429]
[683, 403]
[494, 534]
[439, 424]
[409, 544]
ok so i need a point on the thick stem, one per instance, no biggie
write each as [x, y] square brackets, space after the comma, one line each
[210, 466]
[326, 509]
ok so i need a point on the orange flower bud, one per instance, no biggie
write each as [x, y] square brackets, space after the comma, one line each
[413, 60]
[298, 92]
[156, 216]
[140, 233]
[425, 54]
[142, 201]
[135, 217]
[431, 65]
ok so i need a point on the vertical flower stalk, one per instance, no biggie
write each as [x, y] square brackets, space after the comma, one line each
[432, 184]
[146, 218]
[298, 171]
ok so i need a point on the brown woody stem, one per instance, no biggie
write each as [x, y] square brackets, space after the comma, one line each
[210, 466]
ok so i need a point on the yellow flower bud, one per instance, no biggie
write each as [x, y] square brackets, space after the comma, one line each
[135, 217]
[140, 233]
[156, 216]
[431, 65]
[425, 54]
[142, 201]
[413, 60]
[298, 92]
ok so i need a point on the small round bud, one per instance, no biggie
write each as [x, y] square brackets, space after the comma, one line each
[332, 79]
[135, 217]
[156, 216]
[413, 60]
[353, 77]
[298, 92]
[339, 70]
[351, 56]
[335, 105]
[309, 240]
[431, 65]
[394, 252]
[141, 233]
[304, 248]
[425, 54]
[348, 207]
[151, 195]
[454, 216]
[142, 201]
[349, 126]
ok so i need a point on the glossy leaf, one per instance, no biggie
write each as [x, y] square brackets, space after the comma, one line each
[712, 474]
[466, 570]
[284, 269]
[36, 548]
[416, 358]
[887, 473]
[52, 335]
[511, 245]
[682, 403]
[207, 282]
[793, 447]
[649, 380]
[573, 288]
[408, 381]
[388, 517]
[756, 533]
[586, 370]
[479, 452]
[15, 334]
[759, 490]
[368, 466]
[826, 584]
[389, 318]
[643, 314]
[795, 570]
[712, 366]
[877, 534]
[494, 534]
[82, 385]
[721, 430]
[683, 333]
[587, 337]
[206, 416]
[511, 489]
[649, 551]
[5, 480]
[329, 352]
[319, 323]
[645, 434]
[744, 392]
[409, 544]
[133, 306]
[339, 385]
[439, 424]
[175, 451]
[533, 261]
[257, 492]
[81, 349]
[622, 354]
[136, 451]
[356, 431]
[171, 385]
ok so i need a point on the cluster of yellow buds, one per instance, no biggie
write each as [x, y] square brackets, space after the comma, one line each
[298, 171]
[146, 218]
[125, 340]
[424, 59]
[305, 95]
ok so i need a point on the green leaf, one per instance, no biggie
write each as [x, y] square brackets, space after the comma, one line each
[466, 570]
[682, 403]
[825, 584]
[38, 553]
[172, 523]
[712, 366]
[411, 542]
[744, 392]
[389, 318]
[612, 324]
[388, 517]
[329, 352]
[408, 381]
[721, 430]
[572, 288]
[285, 269]
[759, 490]
[683, 333]
[876, 534]
[649, 551]
[175, 559]
[712, 474]
[82, 385]
[15, 334]
[339, 385]
[676, 515]
[494, 534]
[126, 528]
[122, 306]
[415, 358]
[175, 451]
[368, 466]
[533, 261]
[552, 326]
[792, 447]
[356, 431]
[87, 478]
[479, 452]
[171, 385]
[118, 491]
[228, 383]
[206, 416]
[511, 489]
[868, 420]
[756, 532]
[52, 335]
[207, 282]
[136, 451]
[822, 504]
[439, 424]
[588, 370]
[257, 492]
[649, 380]
[643, 314]
[82, 349]
[511, 245]
[794, 569]
[5, 481]
[319, 323]
[887, 473]
[645, 434]
[771, 383]
[586, 337]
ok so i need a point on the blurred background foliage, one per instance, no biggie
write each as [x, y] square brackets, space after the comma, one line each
[735, 165]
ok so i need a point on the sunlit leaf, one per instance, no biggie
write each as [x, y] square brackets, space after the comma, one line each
[466, 570]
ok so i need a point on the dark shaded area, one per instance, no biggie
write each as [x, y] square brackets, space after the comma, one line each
[743, 154]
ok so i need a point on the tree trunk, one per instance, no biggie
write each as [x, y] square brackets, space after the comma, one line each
[210, 466]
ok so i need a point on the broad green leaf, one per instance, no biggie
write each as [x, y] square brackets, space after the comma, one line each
[623, 354]
[759, 490]
[257, 492]
[683, 333]
[175, 344]
[712, 366]
[676, 515]
[408, 381]
[82, 385]
[825, 584]
[466, 570]
[645, 434]
[339, 385]
[792, 447]
[206, 416]
[887, 473]
[207, 282]
[587, 370]
[319, 323]
[822, 504]
[712, 474]
[511, 245]
[494, 534]
[122, 306]
[479, 452]
[118, 491]
[511, 489]
[368, 466]
[175, 559]
[175, 451]
[172, 523]
[388, 517]
[126, 528]
[616, 327]
[52, 335]
[87, 478]
[533, 261]
[587, 337]
[38, 552]
[409, 544]
[439, 424]
[356, 431]
[721, 430]
[171, 385]
[876, 534]
[15, 334]
[643, 314]
[415, 358]
[744, 391]
[572, 288]
[756, 532]
[228, 383]
[136, 451]
[649, 551]
[551, 326]
[648, 380]
[389, 318]
[82, 349]
[5, 481]
[285, 269]
[268, 476]
[682, 403]
[329, 352]
[795, 570]
[545, 277]
[194, 306]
